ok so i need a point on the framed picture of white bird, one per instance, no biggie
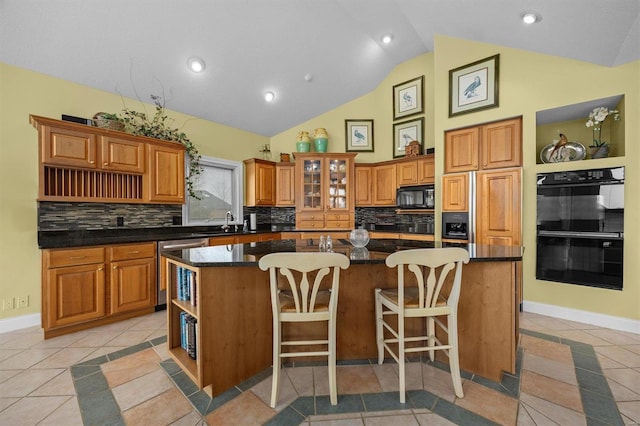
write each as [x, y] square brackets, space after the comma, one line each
[405, 133]
[474, 86]
[359, 135]
[408, 98]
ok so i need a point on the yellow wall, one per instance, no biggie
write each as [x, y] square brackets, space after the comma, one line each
[23, 92]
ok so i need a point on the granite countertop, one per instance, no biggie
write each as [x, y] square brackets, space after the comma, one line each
[122, 235]
[375, 252]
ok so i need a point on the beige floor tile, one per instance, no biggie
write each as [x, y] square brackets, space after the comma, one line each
[191, 419]
[64, 358]
[550, 368]
[552, 390]
[141, 389]
[98, 352]
[387, 375]
[5, 402]
[546, 349]
[302, 380]
[247, 409]
[155, 321]
[633, 348]
[402, 420]
[31, 410]
[616, 337]
[286, 394]
[129, 338]
[524, 418]
[157, 333]
[488, 403]
[583, 336]
[387, 413]
[354, 421]
[20, 340]
[607, 363]
[130, 367]
[622, 393]
[95, 339]
[432, 420]
[8, 353]
[357, 379]
[542, 410]
[68, 414]
[335, 416]
[27, 381]
[630, 409]
[61, 341]
[162, 350]
[163, 409]
[621, 355]
[60, 385]
[438, 382]
[27, 358]
[7, 374]
[627, 377]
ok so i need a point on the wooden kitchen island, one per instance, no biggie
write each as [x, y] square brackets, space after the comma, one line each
[232, 310]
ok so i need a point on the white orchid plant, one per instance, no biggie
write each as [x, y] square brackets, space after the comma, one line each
[596, 120]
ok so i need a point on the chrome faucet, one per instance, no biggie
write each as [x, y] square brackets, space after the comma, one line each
[226, 226]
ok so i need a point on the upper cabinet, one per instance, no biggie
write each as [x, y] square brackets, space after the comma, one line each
[489, 146]
[260, 182]
[285, 184]
[325, 191]
[415, 171]
[90, 164]
[364, 190]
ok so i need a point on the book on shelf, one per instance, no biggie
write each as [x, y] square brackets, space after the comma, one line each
[188, 334]
[186, 285]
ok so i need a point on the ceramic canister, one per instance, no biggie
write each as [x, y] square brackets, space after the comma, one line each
[320, 139]
[303, 143]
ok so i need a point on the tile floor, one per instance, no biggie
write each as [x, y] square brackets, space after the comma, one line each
[568, 373]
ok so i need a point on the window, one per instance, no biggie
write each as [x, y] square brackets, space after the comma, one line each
[220, 190]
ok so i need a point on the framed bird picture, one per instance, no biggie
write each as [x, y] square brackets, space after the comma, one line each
[359, 135]
[406, 132]
[408, 98]
[474, 86]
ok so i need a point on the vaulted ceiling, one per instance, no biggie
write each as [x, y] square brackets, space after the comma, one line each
[313, 54]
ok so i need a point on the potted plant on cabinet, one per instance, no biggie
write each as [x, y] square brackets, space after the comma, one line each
[597, 117]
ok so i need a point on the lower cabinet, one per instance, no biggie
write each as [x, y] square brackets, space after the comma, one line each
[77, 292]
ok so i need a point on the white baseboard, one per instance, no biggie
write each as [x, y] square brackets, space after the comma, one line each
[601, 320]
[17, 323]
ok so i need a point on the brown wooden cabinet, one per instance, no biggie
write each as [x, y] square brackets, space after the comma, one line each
[73, 287]
[285, 184]
[91, 164]
[455, 192]
[132, 276]
[499, 207]
[489, 146]
[363, 185]
[384, 185]
[426, 170]
[77, 293]
[417, 171]
[260, 182]
[325, 196]
[166, 173]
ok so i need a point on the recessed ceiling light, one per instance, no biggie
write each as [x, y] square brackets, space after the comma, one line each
[196, 64]
[269, 96]
[530, 18]
[386, 39]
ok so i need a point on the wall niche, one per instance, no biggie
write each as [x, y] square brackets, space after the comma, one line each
[571, 120]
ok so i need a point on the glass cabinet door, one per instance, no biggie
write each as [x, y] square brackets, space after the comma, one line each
[312, 184]
[337, 187]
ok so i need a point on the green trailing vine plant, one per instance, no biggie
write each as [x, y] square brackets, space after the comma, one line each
[159, 126]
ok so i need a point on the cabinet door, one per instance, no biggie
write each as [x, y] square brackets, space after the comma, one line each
[166, 174]
[309, 175]
[384, 185]
[338, 186]
[499, 207]
[455, 192]
[363, 188]
[74, 294]
[68, 148]
[285, 185]
[501, 144]
[407, 173]
[133, 284]
[426, 170]
[461, 150]
[122, 155]
[265, 184]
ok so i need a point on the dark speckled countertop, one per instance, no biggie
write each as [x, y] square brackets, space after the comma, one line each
[375, 252]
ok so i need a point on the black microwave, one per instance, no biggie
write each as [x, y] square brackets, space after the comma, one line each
[415, 197]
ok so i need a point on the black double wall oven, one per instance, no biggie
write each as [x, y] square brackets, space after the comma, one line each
[580, 227]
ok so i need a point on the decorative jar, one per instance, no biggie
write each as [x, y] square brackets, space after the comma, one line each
[359, 237]
[303, 143]
[320, 139]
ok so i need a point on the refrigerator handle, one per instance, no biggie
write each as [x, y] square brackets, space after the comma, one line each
[472, 207]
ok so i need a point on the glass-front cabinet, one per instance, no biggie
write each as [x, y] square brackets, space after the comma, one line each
[325, 197]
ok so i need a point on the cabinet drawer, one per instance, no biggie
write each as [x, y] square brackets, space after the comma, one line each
[132, 251]
[311, 224]
[337, 216]
[310, 217]
[337, 224]
[75, 256]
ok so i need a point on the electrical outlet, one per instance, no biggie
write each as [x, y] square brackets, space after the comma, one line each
[23, 302]
[8, 304]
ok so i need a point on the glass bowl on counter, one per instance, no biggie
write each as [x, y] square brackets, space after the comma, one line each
[359, 237]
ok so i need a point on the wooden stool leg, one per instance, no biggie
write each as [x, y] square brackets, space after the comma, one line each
[454, 363]
[431, 332]
[275, 377]
[333, 386]
[379, 327]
